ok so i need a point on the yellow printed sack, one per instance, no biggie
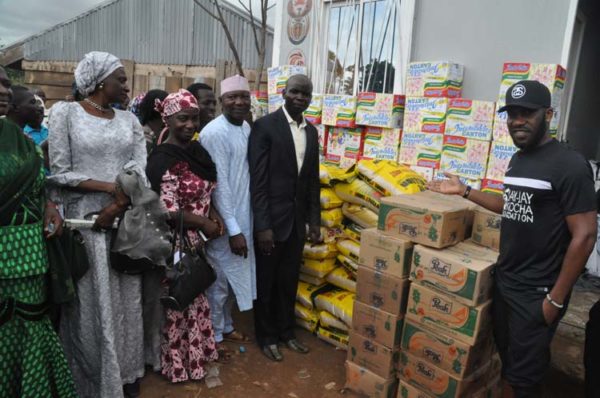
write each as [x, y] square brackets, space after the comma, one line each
[342, 278]
[390, 178]
[305, 313]
[308, 325]
[350, 265]
[332, 217]
[329, 199]
[331, 174]
[360, 215]
[331, 234]
[359, 193]
[329, 321]
[320, 251]
[305, 292]
[318, 268]
[337, 339]
[349, 248]
[352, 231]
[313, 280]
[339, 303]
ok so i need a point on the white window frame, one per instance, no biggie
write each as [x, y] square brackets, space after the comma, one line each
[319, 56]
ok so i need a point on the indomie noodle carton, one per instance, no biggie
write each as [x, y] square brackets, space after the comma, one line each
[343, 146]
[371, 355]
[464, 270]
[492, 186]
[381, 143]
[443, 312]
[452, 355]
[500, 155]
[406, 390]
[365, 382]
[313, 112]
[425, 217]
[278, 76]
[437, 382]
[470, 118]
[339, 110]
[380, 110]
[275, 102]
[551, 75]
[385, 252]
[500, 129]
[434, 79]
[427, 115]
[380, 326]
[465, 157]
[421, 149]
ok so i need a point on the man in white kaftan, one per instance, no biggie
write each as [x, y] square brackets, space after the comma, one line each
[232, 255]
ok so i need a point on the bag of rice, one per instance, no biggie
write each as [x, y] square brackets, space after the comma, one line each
[337, 339]
[331, 174]
[351, 230]
[342, 278]
[306, 293]
[305, 313]
[318, 268]
[320, 251]
[339, 303]
[390, 178]
[313, 280]
[351, 266]
[332, 217]
[329, 199]
[308, 325]
[329, 321]
[359, 193]
[360, 215]
[331, 234]
[349, 248]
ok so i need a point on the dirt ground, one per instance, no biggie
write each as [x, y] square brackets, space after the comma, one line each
[319, 374]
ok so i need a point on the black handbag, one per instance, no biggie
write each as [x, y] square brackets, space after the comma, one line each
[189, 275]
[68, 262]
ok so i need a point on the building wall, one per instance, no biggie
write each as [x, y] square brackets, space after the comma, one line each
[583, 130]
[512, 30]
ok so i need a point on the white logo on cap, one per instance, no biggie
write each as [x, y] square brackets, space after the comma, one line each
[518, 91]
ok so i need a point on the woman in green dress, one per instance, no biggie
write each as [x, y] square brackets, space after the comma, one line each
[32, 362]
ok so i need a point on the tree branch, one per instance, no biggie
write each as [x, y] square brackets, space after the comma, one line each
[206, 10]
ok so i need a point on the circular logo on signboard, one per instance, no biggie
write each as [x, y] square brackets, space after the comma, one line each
[296, 57]
[299, 8]
[298, 29]
[518, 91]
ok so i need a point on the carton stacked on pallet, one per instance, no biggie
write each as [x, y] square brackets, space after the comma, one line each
[446, 347]
[551, 75]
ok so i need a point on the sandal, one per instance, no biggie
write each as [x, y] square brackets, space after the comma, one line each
[224, 354]
[235, 337]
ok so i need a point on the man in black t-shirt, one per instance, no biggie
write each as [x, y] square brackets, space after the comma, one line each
[548, 231]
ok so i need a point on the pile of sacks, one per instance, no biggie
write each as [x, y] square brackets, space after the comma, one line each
[349, 204]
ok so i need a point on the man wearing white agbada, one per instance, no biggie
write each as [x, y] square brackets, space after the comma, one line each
[226, 139]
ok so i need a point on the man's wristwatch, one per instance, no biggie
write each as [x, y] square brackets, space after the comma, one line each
[467, 192]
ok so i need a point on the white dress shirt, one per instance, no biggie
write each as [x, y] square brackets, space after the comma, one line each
[299, 136]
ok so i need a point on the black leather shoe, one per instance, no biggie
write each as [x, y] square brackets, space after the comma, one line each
[272, 352]
[297, 346]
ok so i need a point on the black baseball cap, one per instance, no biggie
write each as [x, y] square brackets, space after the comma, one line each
[529, 94]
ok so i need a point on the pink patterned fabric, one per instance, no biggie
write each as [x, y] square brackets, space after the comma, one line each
[188, 341]
[174, 103]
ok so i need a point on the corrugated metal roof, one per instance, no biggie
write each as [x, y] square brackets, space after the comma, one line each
[149, 31]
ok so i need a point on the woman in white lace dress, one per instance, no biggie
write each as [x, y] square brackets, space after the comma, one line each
[89, 144]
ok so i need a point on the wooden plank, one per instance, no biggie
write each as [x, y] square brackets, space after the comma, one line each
[156, 82]
[35, 78]
[186, 81]
[129, 66]
[140, 82]
[11, 55]
[172, 83]
[49, 66]
[55, 92]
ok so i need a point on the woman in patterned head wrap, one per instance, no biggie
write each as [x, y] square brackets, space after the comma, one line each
[33, 362]
[90, 143]
[184, 175]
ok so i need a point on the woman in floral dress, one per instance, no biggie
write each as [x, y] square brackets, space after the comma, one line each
[182, 172]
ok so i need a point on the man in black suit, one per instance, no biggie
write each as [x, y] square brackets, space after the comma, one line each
[284, 184]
